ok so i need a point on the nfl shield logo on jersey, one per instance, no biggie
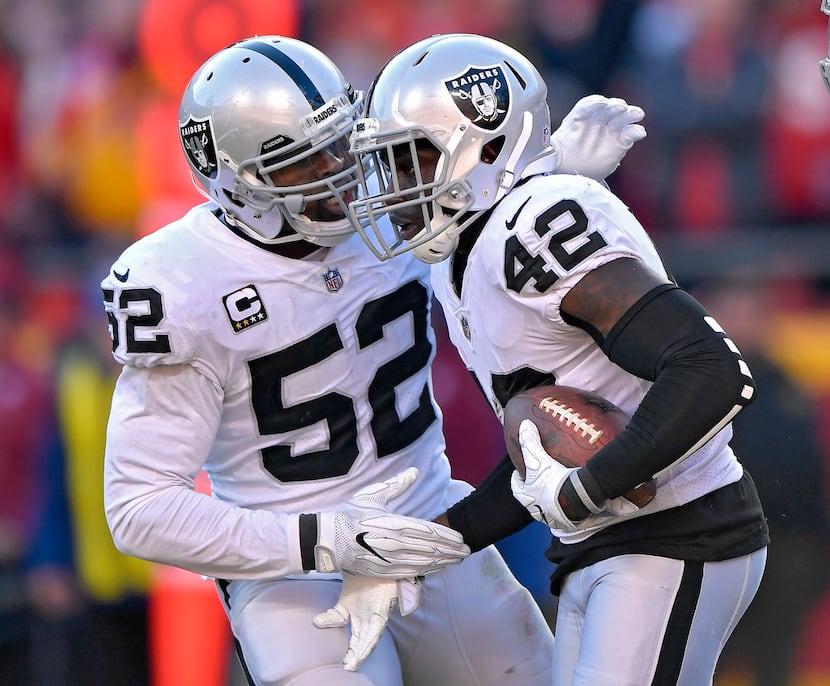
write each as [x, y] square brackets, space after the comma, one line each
[333, 279]
[482, 95]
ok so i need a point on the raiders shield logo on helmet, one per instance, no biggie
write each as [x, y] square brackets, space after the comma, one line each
[482, 95]
[197, 141]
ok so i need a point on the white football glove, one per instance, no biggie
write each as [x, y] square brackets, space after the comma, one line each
[367, 601]
[544, 477]
[595, 135]
[364, 538]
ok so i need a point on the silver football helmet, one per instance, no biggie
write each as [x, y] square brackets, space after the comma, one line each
[451, 124]
[824, 64]
[264, 125]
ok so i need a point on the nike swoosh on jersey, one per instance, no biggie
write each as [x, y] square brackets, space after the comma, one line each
[121, 277]
[360, 538]
[510, 223]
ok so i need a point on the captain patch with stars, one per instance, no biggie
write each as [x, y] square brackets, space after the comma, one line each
[245, 308]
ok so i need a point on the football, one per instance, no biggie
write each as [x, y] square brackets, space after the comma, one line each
[573, 425]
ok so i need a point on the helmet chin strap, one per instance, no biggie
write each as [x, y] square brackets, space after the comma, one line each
[437, 249]
[341, 229]
[291, 228]
[260, 237]
[445, 242]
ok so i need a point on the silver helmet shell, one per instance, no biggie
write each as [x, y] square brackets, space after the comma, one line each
[258, 107]
[479, 102]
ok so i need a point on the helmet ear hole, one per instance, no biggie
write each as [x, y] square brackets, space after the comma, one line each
[492, 149]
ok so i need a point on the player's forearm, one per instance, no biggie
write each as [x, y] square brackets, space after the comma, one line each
[490, 513]
[183, 528]
[156, 445]
[700, 383]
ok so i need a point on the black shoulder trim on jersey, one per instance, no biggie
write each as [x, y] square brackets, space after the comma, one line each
[466, 241]
[489, 513]
[700, 382]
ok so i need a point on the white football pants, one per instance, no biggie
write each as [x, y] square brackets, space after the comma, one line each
[641, 620]
[475, 626]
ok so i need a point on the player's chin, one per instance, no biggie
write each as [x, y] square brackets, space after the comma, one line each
[408, 229]
[347, 195]
[326, 211]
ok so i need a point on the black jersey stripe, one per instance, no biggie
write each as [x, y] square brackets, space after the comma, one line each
[291, 68]
[682, 614]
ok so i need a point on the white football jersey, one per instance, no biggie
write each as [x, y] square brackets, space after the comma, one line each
[538, 242]
[292, 382]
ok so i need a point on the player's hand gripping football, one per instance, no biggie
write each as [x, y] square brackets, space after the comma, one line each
[595, 135]
[364, 538]
[367, 601]
[544, 477]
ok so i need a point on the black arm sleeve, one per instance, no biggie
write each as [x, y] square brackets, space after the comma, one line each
[700, 383]
[489, 513]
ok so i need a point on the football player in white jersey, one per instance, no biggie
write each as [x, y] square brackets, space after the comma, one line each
[545, 278]
[262, 343]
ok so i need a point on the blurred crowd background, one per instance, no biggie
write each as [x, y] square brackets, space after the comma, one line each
[733, 181]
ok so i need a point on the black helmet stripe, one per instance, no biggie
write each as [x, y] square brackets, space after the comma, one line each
[292, 69]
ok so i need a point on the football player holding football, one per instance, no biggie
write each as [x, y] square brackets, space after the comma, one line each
[548, 278]
[261, 342]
